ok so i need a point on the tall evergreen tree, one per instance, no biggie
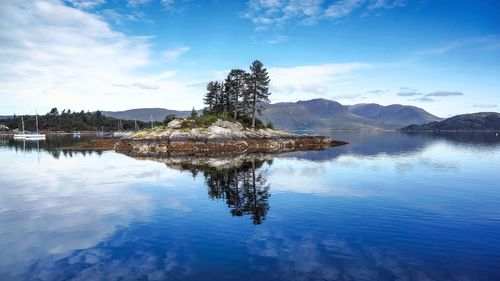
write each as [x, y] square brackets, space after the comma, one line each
[257, 88]
[221, 98]
[234, 88]
[210, 96]
[194, 114]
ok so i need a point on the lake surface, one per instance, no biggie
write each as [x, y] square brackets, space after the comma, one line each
[388, 206]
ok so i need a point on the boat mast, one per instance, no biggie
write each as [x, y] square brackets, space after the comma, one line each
[135, 124]
[22, 122]
[151, 121]
[36, 121]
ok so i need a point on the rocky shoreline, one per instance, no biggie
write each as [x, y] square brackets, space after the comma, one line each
[220, 138]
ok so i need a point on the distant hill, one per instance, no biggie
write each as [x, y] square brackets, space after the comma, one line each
[481, 121]
[328, 114]
[315, 114]
[144, 114]
[393, 115]
[5, 117]
[312, 115]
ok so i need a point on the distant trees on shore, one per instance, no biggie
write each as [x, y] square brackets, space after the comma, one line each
[240, 95]
[69, 121]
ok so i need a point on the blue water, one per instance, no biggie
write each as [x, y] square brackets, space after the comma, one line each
[388, 206]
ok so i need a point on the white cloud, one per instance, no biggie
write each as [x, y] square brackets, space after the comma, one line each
[173, 54]
[490, 42]
[57, 55]
[121, 18]
[86, 4]
[409, 93]
[484, 105]
[386, 4]
[342, 8]
[444, 94]
[267, 13]
[168, 4]
[312, 79]
[278, 39]
[92, 213]
[135, 3]
[423, 99]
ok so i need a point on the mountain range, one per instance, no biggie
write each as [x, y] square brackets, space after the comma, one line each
[487, 121]
[313, 114]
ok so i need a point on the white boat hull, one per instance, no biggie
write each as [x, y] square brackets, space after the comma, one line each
[30, 136]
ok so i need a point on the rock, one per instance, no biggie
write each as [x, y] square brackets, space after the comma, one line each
[234, 126]
[175, 124]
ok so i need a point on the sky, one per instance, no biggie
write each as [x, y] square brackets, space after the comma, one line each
[443, 56]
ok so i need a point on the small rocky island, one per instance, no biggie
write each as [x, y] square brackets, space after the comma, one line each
[183, 137]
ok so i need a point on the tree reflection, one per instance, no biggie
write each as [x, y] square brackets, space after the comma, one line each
[53, 145]
[242, 185]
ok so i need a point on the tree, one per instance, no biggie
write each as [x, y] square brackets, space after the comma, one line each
[257, 88]
[210, 96]
[220, 98]
[54, 111]
[215, 97]
[194, 114]
[234, 89]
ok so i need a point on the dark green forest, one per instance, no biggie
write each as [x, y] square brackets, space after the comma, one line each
[69, 121]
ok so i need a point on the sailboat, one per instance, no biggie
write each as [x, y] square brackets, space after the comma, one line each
[30, 136]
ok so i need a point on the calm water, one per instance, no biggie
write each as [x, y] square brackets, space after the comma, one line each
[388, 206]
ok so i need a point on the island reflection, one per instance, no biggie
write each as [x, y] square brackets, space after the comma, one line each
[240, 181]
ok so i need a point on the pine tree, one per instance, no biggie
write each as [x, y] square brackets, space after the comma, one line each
[234, 88]
[194, 114]
[257, 88]
[221, 98]
[211, 96]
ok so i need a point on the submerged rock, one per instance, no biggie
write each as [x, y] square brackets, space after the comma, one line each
[222, 137]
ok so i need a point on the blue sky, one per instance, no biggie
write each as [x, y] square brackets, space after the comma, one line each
[443, 56]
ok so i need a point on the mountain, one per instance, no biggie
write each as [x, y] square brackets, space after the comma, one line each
[393, 115]
[313, 114]
[144, 114]
[327, 114]
[481, 121]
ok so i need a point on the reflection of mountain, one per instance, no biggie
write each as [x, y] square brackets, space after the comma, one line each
[240, 181]
[394, 143]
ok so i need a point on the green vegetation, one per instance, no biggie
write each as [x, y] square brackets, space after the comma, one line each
[240, 97]
[206, 120]
[169, 118]
[69, 121]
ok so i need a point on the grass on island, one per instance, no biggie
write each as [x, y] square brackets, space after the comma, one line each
[204, 121]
